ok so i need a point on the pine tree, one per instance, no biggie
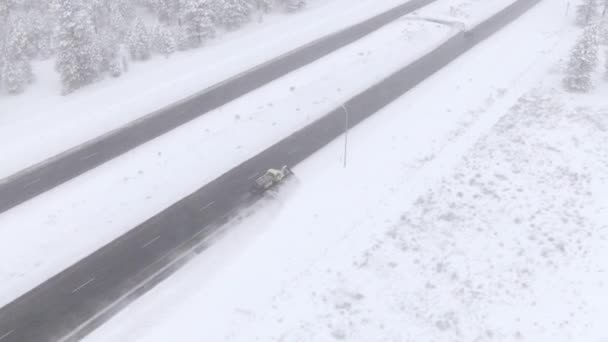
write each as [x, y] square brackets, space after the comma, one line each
[181, 39]
[3, 16]
[109, 48]
[139, 41]
[166, 10]
[582, 63]
[164, 40]
[234, 13]
[293, 5]
[603, 29]
[264, 6]
[15, 75]
[4, 10]
[606, 64]
[586, 12]
[16, 68]
[111, 27]
[197, 18]
[119, 18]
[79, 59]
[40, 25]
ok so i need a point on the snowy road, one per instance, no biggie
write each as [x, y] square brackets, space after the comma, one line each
[81, 296]
[25, 185]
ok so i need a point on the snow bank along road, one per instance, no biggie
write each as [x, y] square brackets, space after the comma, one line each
[24, 185]
[69, 305]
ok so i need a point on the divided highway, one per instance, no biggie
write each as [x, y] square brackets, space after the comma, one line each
[35, 180]
[69, 305]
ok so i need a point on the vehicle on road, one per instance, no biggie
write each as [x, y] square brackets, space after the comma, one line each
[271, 178]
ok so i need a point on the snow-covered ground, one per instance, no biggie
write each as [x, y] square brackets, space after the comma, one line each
[40, 123]
[159, 173]
[467, 12]
[484, 218]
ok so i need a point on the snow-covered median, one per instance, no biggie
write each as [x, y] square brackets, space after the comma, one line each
[467, 12]
[106, 202]
[40, 123]
[455, 220]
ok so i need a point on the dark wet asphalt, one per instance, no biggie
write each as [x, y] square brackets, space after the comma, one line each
[78, 294]
[27, 184]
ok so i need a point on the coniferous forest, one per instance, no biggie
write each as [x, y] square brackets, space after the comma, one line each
[93, 39]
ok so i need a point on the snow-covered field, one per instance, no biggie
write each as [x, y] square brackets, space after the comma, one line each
[484, 218]
[159, 173]
[467, 12]
[40, 123]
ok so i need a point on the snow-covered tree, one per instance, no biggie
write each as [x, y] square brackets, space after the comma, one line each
[586, 12]
[110, 17]
[606, 65]
[40, 25]
[111, 26]
[139, 41]
[164, 40]
[264, 6]
[582, 63]
[16, 68]
[166, 10]
[110, 48]
[4, 9]
[197, 22]
[91, 38]
[234, 13]
[3, 16]
[603, 30]
[15, 75]
[78, 55]
[293, 5]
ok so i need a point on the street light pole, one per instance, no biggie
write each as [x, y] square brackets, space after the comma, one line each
[345, 133]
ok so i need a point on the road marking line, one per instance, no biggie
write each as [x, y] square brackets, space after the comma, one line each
[7, 334]
[89, 156]
[180, 258]
[83, 285]
[207, 206]
[31, 182]
[252, 176]
[150, 242]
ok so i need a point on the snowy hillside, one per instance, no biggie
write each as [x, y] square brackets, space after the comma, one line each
[89, 40]
[483, 219]
[472, 208]
[160, 172]
[60, 122]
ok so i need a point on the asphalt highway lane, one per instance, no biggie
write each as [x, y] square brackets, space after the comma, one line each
[75, 301]
[37, 179]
